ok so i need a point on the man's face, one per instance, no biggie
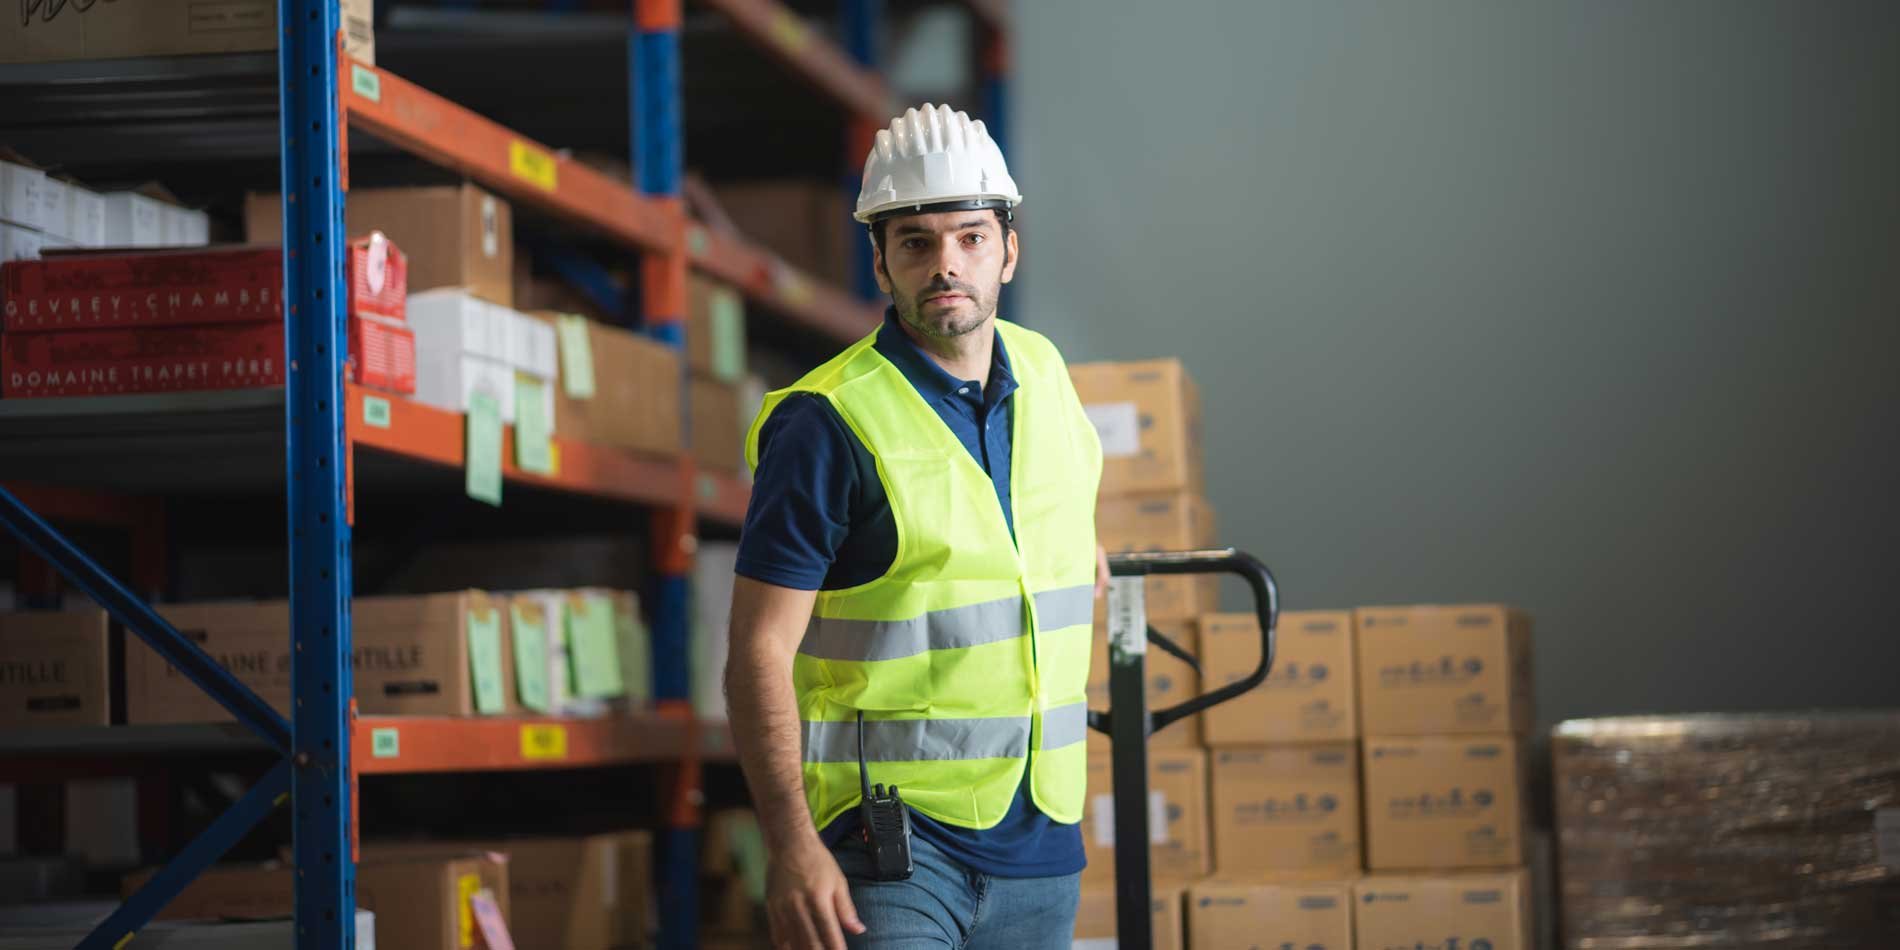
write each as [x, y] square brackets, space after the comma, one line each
[944, 271]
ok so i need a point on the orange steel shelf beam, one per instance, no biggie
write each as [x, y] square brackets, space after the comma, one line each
[526, 171]
[722, 497]
[793, 41]
[759, 274]
[397, 745]
[434, 435]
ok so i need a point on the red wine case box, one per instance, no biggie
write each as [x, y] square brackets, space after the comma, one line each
[173, 359]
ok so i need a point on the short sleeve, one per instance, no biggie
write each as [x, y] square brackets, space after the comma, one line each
[802, 492]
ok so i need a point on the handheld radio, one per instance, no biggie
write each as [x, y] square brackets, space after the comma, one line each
[886, 822]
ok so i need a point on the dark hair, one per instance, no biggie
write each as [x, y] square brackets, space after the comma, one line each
[880, 229]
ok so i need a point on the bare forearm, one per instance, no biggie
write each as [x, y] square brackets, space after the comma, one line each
[765, 731]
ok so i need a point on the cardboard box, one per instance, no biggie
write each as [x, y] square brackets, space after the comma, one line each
[169, 359]
[1096, 926]
[588, 892]
[1177, 814]
[85, 217]
[806, 223]
[636, 400]
[419, 903]
[69, 923]
[59, 32]
[1467, 911]
[1286, 808]
[1170, 521]
[1462, 670]
[20, 244]
[454, 235]
[146, 289]
[183, 227]
[1148, 415]
[133, 220]
[20, 201]
[715, 330]
[1308, 694]
[466, 345]
[55, 208]
[1437, 802]
[411, 657]
[719, 425]
[1303, 915]
[1171, 681]
[55, 668]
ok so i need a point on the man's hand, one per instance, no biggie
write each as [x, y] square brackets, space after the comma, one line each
[1101, 571]
[807, 900]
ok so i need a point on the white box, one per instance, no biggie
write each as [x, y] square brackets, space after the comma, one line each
[20, 200]
[531, 345]
[449, 320]
[54, 203]
[183, 227]
[85, 217]
[133, 220]
[18, 243]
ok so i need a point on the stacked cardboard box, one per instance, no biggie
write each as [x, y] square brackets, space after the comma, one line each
[419, 902]
[454, 235]
[55, 668]
[1147, 415]
[39, 212]
[732, 872]
[1096, 926]
[65, 32]
[1445, 699]
[1308, 915]
[722, 398]
[631, 395]
[170, 321]
[584, 892]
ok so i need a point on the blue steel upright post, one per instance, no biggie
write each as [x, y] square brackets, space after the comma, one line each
[314, 399]
[657, 151]
[861, 21]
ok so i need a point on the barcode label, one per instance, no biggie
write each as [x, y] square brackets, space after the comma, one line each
[1118, 427]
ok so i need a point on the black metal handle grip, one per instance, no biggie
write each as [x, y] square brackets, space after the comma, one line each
[1266, 597]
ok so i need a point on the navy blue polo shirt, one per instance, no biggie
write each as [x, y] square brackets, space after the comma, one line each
[819, 520]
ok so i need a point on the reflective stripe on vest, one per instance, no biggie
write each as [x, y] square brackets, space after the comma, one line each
[952, 628]
[942, 740]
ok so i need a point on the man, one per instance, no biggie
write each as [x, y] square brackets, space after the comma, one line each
[915, 581]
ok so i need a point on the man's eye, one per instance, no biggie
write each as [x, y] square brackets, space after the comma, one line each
[914, 244]
[976, 238]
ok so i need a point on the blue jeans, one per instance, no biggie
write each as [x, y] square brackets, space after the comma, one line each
[946, 906]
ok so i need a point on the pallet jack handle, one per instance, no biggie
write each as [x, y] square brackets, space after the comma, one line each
[1128, 722]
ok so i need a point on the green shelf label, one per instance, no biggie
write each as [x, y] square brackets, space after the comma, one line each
[376, 412]
[385, 742]
[364, 82]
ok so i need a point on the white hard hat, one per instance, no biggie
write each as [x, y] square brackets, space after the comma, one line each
[934, 156]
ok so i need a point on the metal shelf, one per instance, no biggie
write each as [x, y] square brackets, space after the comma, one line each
[787, 36]
[391, 745]
[89, 441]
[763, 277]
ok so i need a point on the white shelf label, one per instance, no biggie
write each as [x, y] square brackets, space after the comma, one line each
[1118, 425]
[1127, 616]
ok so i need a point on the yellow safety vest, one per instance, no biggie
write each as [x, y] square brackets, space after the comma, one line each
[969, 657]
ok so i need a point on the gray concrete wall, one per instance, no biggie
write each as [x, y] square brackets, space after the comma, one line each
[1589, 307]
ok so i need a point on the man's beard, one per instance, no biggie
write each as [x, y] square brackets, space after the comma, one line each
[951, 325]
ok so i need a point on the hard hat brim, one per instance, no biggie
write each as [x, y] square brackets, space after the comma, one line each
[937, 207]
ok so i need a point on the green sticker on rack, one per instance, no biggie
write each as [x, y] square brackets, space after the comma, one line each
[482, 445]
[385, 742]
[577, 356]
[364, 82]
[593, 646]
[376, 412]
[534, 443]
[530, 629]
[636, 649]
[484, 659]
[728, 335]
[707, 487]
[697, 243]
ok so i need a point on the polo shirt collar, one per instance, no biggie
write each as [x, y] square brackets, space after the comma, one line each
[931, 381]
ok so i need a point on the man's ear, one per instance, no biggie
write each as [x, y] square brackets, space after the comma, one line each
[1012, 252]
[877, 264]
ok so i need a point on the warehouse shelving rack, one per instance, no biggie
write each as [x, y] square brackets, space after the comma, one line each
[315, 425]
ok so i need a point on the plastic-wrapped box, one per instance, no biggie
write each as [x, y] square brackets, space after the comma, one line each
[1761, 831]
